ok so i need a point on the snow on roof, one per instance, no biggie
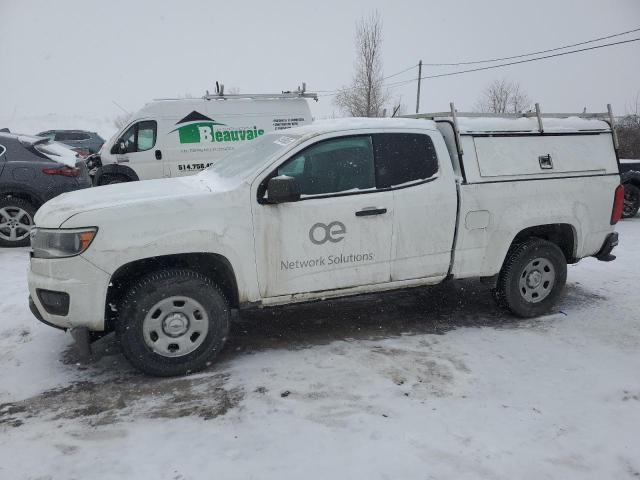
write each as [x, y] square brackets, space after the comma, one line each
[530, 124]
[360, 123]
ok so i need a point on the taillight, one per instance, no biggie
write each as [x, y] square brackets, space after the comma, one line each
[618, 204]
[64, 171]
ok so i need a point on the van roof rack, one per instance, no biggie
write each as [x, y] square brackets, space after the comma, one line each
[453, 114]
[300, 92]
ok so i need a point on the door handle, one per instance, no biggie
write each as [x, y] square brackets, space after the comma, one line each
[158, 155]
[365, 212]
[545, 162]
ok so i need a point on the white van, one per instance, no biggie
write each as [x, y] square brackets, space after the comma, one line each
[178, 137]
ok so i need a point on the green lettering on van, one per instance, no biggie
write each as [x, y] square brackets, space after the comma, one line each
[203, 132]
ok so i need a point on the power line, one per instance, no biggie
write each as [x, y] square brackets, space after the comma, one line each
[406, 82]
[460, 72]
[490, 60]
[383, 78]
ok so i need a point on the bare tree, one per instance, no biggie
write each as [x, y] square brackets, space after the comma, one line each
[503, 96]
[365, 97]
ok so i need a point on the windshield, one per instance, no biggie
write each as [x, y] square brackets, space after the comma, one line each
[246, 159]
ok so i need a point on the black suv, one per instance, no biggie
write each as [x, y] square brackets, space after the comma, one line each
[83, 142]
[32, 171]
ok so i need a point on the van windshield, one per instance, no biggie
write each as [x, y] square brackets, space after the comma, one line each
[246, 159]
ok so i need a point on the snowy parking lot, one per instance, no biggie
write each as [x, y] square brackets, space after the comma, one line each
[423, 383]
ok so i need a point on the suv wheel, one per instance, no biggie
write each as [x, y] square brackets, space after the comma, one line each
[532, 278]
[173, 322]
[16, 220]
[631, 200]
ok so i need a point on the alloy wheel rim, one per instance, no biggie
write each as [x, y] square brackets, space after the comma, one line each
[175, 326]
[15, 223]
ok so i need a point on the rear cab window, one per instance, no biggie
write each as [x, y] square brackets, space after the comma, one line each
[2, 150]
[403, 158]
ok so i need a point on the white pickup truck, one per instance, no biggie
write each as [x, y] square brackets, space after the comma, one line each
[329, 209]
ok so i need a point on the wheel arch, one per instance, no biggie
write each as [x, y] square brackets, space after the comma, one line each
[215, 266]
[564, 235]
[23, 192]
[115, 169]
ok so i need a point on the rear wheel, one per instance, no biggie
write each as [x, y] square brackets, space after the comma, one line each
[173, 322]
[532, 278]
[631, 200]
[16, 221]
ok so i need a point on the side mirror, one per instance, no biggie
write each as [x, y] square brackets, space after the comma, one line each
[118, 148]
[283, 189]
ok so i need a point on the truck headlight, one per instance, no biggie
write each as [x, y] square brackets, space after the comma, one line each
[61, 243]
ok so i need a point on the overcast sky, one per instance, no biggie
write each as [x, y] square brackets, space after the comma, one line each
[78, 57]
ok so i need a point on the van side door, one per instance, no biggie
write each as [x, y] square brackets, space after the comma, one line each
[338, 235]
[425, 202]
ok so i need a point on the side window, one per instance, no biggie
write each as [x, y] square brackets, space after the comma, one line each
[333, 166]
[49, 135]
[128, 139]
[62, 137]
[138, 137]
[2, 150]
[403, 157]
[146, 135]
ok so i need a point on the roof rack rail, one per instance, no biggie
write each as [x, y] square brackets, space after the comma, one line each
[537, 113]
[220, 95]
[300, 92]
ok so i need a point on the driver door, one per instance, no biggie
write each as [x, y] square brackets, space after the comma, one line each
[338, 235]
[135, 148]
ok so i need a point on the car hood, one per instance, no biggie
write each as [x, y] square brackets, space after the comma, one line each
[60, 209]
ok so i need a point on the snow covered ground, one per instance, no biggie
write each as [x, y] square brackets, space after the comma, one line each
[423, 384]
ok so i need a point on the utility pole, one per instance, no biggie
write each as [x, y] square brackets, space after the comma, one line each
[419, 80]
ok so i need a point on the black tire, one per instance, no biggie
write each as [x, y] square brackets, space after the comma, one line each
[112, 179]
[517, 289]
[154, 289]
[12, 224]
[631, 201]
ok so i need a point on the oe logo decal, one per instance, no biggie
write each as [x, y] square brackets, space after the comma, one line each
[321, 233]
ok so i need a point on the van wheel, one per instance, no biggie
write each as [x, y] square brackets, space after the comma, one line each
[173, 322]
[112, 179]
[631, 200]
[16, 221]
[532, 278]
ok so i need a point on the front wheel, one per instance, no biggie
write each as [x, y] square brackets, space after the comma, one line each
[16, 221]
[532, 278]
[631, 200]
[173, 322]
[109, 179]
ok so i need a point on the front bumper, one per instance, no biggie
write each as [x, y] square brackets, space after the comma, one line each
[85, 284]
